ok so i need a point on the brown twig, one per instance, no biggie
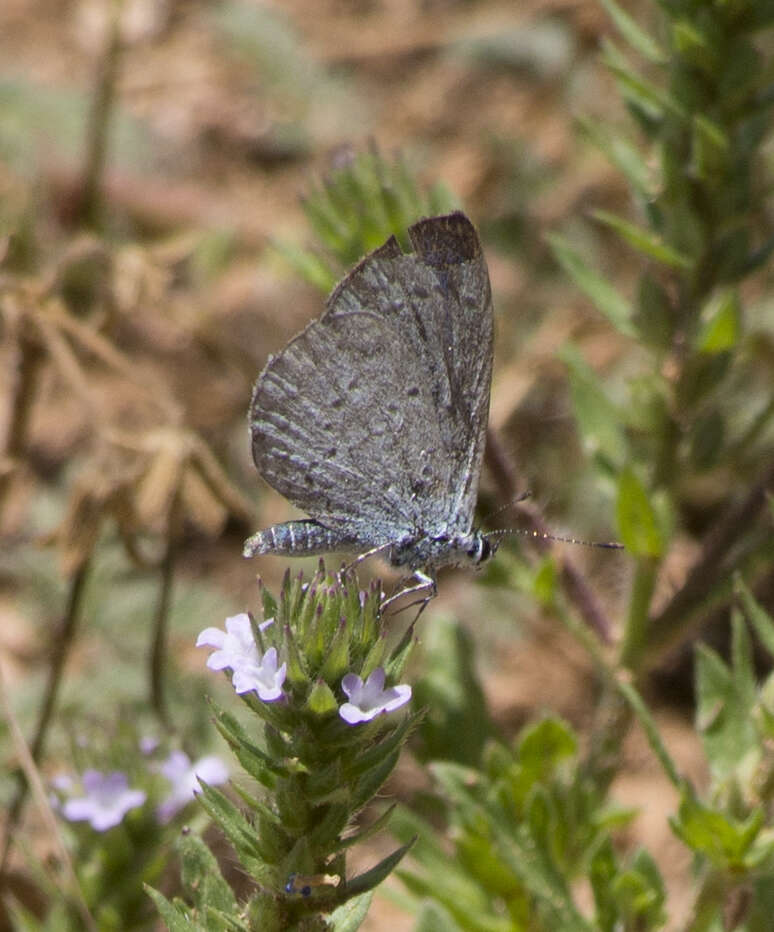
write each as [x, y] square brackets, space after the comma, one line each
[98, 131]
[29, 767]
[63, 640]
[673, 624]
[25, 365]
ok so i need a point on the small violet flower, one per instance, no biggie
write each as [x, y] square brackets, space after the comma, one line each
[184, 777]
[148, 744]
[369, 699]
[106, 801]
[236, 649]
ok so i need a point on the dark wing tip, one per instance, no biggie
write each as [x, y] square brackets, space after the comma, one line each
[446, 240]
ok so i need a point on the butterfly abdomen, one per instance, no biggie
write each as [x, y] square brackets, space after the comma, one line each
[296, 539]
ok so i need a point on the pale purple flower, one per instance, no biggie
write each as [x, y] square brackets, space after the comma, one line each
[369, 699]
[106, 801]
[237, 650]
[62, 782]
[184, 777]
[148, 744]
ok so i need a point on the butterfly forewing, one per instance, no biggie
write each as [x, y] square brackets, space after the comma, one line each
[373, 418]
[338, 429]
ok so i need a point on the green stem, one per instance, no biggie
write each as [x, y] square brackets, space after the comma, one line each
[636, 633]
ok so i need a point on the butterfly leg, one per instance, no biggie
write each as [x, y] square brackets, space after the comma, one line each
[425, 583]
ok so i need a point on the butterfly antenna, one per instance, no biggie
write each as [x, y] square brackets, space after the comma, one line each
[514, 501]
[542, 535]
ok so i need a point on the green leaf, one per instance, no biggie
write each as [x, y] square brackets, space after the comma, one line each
[202, 878]
[726, 697]
[260, 765]
[638, 524]
[245, 838]
[176, 916]
[350, 915]
[544, 745]
[654, 317]
[642, 92]
[459, 724]
[711, 150]
[545, 582]
[434, 918]
[649, 244]
[620, 152]
[373, 877]
[603, 869]
[321, 700]
[605, 297]
[721, 323]
[724, 840]
[637, 38]
[599, 420]
[310, 266]
[759, 619]
[692, 45]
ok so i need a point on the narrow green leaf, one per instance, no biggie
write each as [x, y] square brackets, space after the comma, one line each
[373, 877]
[603, 870]
[638, 523]
[369, 831]
[654, 318]
[599, 420]
[242, 835]
[606, 298]
[260, 765]
[742, 661]
[759, 619]
[711, 148]
[721, 323]
[637, 38]
[649, 244]
[201, 876]
[177, 918]
[640, 90]
[620, 152]
[693, 46]
[311, 267]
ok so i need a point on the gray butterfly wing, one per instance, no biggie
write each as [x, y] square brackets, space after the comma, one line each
[439, 298]
[342, 424]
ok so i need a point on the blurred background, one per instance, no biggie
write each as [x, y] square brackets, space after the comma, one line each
[155, 161]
